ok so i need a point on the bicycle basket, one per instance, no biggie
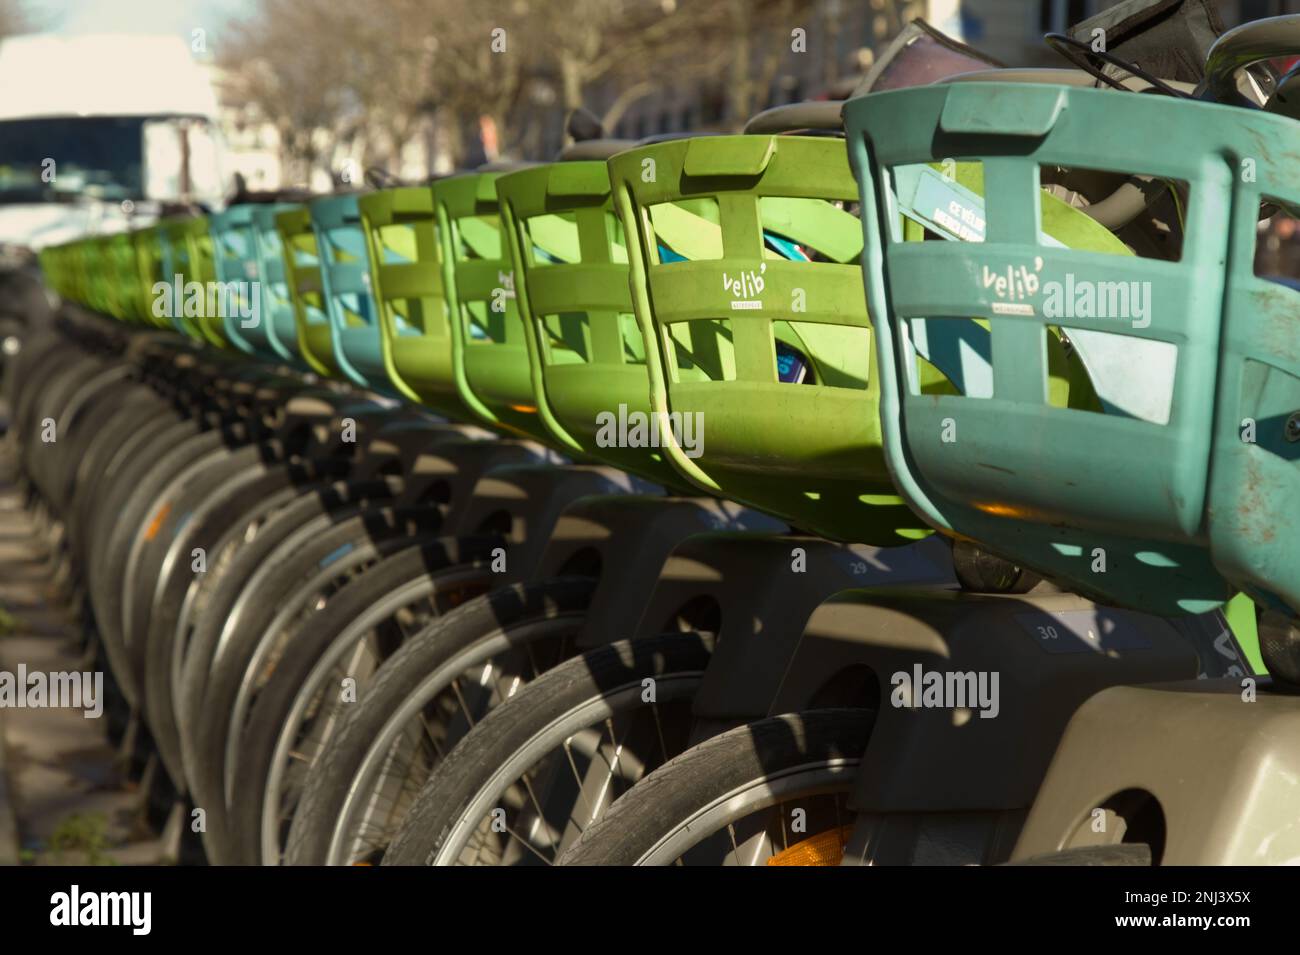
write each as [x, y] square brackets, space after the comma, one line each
[490, 354]
[345, 289]
[572, 292]
[744, 274]
[302, 274]
[234, 257]
[407, 283]
[1127, 504]
[190, 254]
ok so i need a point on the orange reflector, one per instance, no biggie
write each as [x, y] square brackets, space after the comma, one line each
[998, 509]
[524, 409]
[825, 848]
[152, 530]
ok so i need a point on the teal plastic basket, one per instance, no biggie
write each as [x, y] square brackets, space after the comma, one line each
[234, 258]
[345, 288]
[1150, 504]
[278, 323]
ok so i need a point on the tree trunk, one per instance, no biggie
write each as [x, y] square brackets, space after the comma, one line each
[739, 94]
[571, 80]
[623, 102]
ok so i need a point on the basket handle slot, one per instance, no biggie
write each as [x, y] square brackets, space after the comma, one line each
[729, 156]
[1027, 112]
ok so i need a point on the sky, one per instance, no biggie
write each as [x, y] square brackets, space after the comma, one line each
[178, 17]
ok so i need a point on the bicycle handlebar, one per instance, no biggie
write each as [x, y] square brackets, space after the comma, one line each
[1246, 45]
[820, 114]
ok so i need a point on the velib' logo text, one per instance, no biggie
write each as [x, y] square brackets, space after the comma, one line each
[181, 299]
[953, 690]
[36, 690]
[745, 288]
[75, 907]
[1123, 301]
[1012, 287]
[641, 430]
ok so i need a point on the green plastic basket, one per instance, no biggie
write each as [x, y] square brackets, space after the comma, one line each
[53, 272]
[1164, 499]
[98, 274]
[124, 277]
[589, 366]
[406, 279]
[153, 264]
[490, 352]
[720, 224]
[189, 242]
[303, 277]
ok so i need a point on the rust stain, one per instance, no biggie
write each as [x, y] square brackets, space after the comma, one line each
[1253, 506]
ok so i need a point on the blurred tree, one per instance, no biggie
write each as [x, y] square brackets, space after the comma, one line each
[282, 58]
[498, 76]
[390, 48]
[485, 55]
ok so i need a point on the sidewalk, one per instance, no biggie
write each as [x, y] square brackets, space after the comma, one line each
[62, 797]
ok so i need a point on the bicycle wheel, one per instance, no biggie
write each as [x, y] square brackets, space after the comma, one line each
[548, 763]
[216, 609]
[288, 585]
[423, 700]
[296, 696]
[221, 499]
[735, 799]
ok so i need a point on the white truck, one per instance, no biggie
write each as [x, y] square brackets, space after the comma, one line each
[100, 132]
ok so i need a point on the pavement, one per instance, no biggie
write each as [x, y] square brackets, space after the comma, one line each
[63, 796]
